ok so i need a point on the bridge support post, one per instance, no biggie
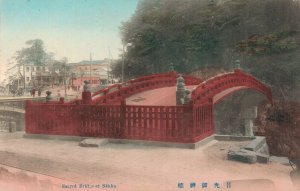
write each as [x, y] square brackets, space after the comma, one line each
[121, 129]
[249, 115]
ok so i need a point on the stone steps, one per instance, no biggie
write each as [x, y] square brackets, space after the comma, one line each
[256, 151]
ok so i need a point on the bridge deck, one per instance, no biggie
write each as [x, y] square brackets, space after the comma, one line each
[160, 97]
[13, 109]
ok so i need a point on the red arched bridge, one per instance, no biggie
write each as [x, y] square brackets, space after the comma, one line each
[142, 109]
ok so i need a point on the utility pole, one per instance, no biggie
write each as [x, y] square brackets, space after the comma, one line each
[90, 68]
[18, 77]
[123, 62]
[123, 58]
[109, 65]
[24, 77]
[65, 80]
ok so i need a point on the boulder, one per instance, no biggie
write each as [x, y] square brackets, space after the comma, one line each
[262, 158]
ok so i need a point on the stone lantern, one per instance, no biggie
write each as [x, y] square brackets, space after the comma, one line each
[86, 94]
[237, 64]
[180, 90]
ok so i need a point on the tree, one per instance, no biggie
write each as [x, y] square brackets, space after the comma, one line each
[60, 68]
[34, 54]
[199, 34]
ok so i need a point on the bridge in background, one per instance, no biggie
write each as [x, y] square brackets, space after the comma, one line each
[12, 110]
[141, 109]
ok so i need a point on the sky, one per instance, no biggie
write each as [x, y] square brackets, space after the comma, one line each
[69, 28]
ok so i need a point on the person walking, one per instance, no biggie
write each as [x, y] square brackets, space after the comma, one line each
[33, 92]
[39, 92]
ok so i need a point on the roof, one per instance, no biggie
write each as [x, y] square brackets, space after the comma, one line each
[93, 62]
[48, 74]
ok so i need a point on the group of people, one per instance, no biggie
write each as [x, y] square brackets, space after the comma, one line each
[33, 91]
[75, 88]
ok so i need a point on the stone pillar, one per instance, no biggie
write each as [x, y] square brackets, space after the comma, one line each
[249, 115]
[249, 127]
[180, 90]
[86, 94]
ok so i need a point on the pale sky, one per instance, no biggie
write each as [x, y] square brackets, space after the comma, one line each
[70, 28]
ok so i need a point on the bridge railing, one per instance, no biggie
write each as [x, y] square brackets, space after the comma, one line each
[191, 80]
[203, 123]
[133, 81]
[121, 92]
[216, 85]
[157, 123]
[103, 118]
[51, 119]
[17, 103]
[118, 92]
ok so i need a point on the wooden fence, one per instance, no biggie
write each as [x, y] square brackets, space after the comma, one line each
[157, 123]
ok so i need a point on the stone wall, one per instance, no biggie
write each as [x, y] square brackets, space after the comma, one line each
[280, 124]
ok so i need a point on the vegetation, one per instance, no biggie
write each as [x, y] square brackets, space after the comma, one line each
[196, 34]
[35, 54]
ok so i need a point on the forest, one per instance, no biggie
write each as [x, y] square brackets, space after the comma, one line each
[194, 35]
[207, 37]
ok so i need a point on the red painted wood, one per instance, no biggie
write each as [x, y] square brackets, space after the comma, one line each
[114, 119]
[208, 89]
[117, 92]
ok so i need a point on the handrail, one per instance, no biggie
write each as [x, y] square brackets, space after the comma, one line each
[137, 85]
[209, 88]
[116, 92]
[125, 91]
[137, 80]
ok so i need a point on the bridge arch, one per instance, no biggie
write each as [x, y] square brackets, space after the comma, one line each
[216, 88]
[212, 91]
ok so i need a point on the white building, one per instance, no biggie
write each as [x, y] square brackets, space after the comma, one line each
[33, 72]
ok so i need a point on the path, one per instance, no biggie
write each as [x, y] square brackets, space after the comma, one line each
[133, 167]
